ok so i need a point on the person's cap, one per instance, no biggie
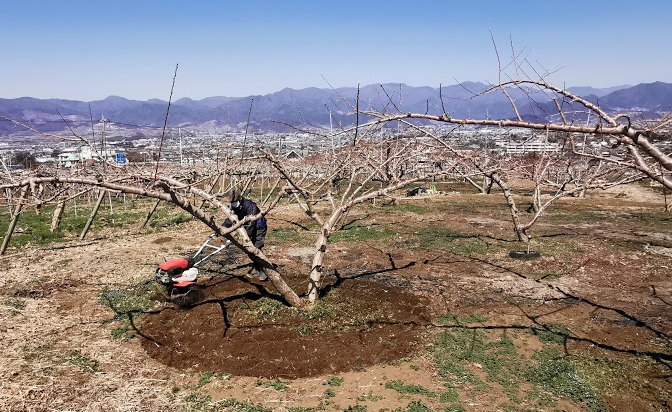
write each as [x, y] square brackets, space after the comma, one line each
[236, 195]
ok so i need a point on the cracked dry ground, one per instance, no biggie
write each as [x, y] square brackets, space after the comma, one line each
[405, 280]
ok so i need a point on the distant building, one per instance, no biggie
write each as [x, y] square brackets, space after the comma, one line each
[292, 154]
[530, 146]
[68, 159]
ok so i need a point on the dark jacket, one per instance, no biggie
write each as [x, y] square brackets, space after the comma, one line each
[255, 229]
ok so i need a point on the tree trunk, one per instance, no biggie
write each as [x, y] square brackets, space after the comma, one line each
[318, 258]
[512, 206]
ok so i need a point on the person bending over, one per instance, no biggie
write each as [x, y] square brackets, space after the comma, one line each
[256, 229]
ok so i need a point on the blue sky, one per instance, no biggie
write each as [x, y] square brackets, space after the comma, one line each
[87, 50]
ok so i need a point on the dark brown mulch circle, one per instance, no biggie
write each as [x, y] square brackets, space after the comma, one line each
[358, 324]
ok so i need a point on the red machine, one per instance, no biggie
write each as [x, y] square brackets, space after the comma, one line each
[179, 276]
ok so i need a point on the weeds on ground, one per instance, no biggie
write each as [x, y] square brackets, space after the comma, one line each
[294, 236]
[557, 374]
[362, 232]
[75, 357]
[40, 352]
[203, 403]
[606, 374]
[461, 351]
[15, 305]
[265, 308]
[448, 240]
[411, 389]
[328, 314]
[369, 397]
[407, 208]
[497, 358]
[168, 218]
[127, 303]
[334, 381]
[204, 379]
[449, 396]
[355, 408]
[35, 228]
[277, 384]
[415, 406]
[553, 333]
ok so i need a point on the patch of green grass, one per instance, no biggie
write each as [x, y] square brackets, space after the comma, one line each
[543, 398]
[39, 352]
[203, 403]
[454, 408]
[355, 408]
[607, 374]
[168, 218]
[558, 375]
[128, 303]
[453, 349]
[553, 333]
[75, 357]
[204, 379]
[448, 240]
[231, 404]
[295, 236]
[556, 247]
[34, 228]
[16, 305]
[449, 396]
[411, 389]
[415, 406]
[656, 220]
[266, 308]
[321, 310]
[198, 402]
[408, 208]
[329, 393]
[334, 381]
[276, 384]
[551, 374]
[362, 233]
[578, 215]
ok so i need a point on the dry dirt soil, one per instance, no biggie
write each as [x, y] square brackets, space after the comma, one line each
[422, 309]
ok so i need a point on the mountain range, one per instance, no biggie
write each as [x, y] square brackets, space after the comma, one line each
[326, 107]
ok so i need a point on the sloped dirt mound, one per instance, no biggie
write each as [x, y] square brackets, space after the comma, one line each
[236, 330]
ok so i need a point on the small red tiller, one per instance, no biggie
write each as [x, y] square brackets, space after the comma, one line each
[180, 275]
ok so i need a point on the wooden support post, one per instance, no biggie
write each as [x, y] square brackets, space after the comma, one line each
[94, 212]
[56, 217]
[15, 218]
[270, 192]
[261, 188]
[150, 213]
[212, 187]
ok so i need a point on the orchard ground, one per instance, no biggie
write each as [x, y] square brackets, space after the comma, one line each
[423, 309]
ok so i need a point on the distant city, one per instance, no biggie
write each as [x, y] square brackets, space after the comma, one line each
[293, 122]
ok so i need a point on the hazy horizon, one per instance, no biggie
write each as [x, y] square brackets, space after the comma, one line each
[88, 51]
